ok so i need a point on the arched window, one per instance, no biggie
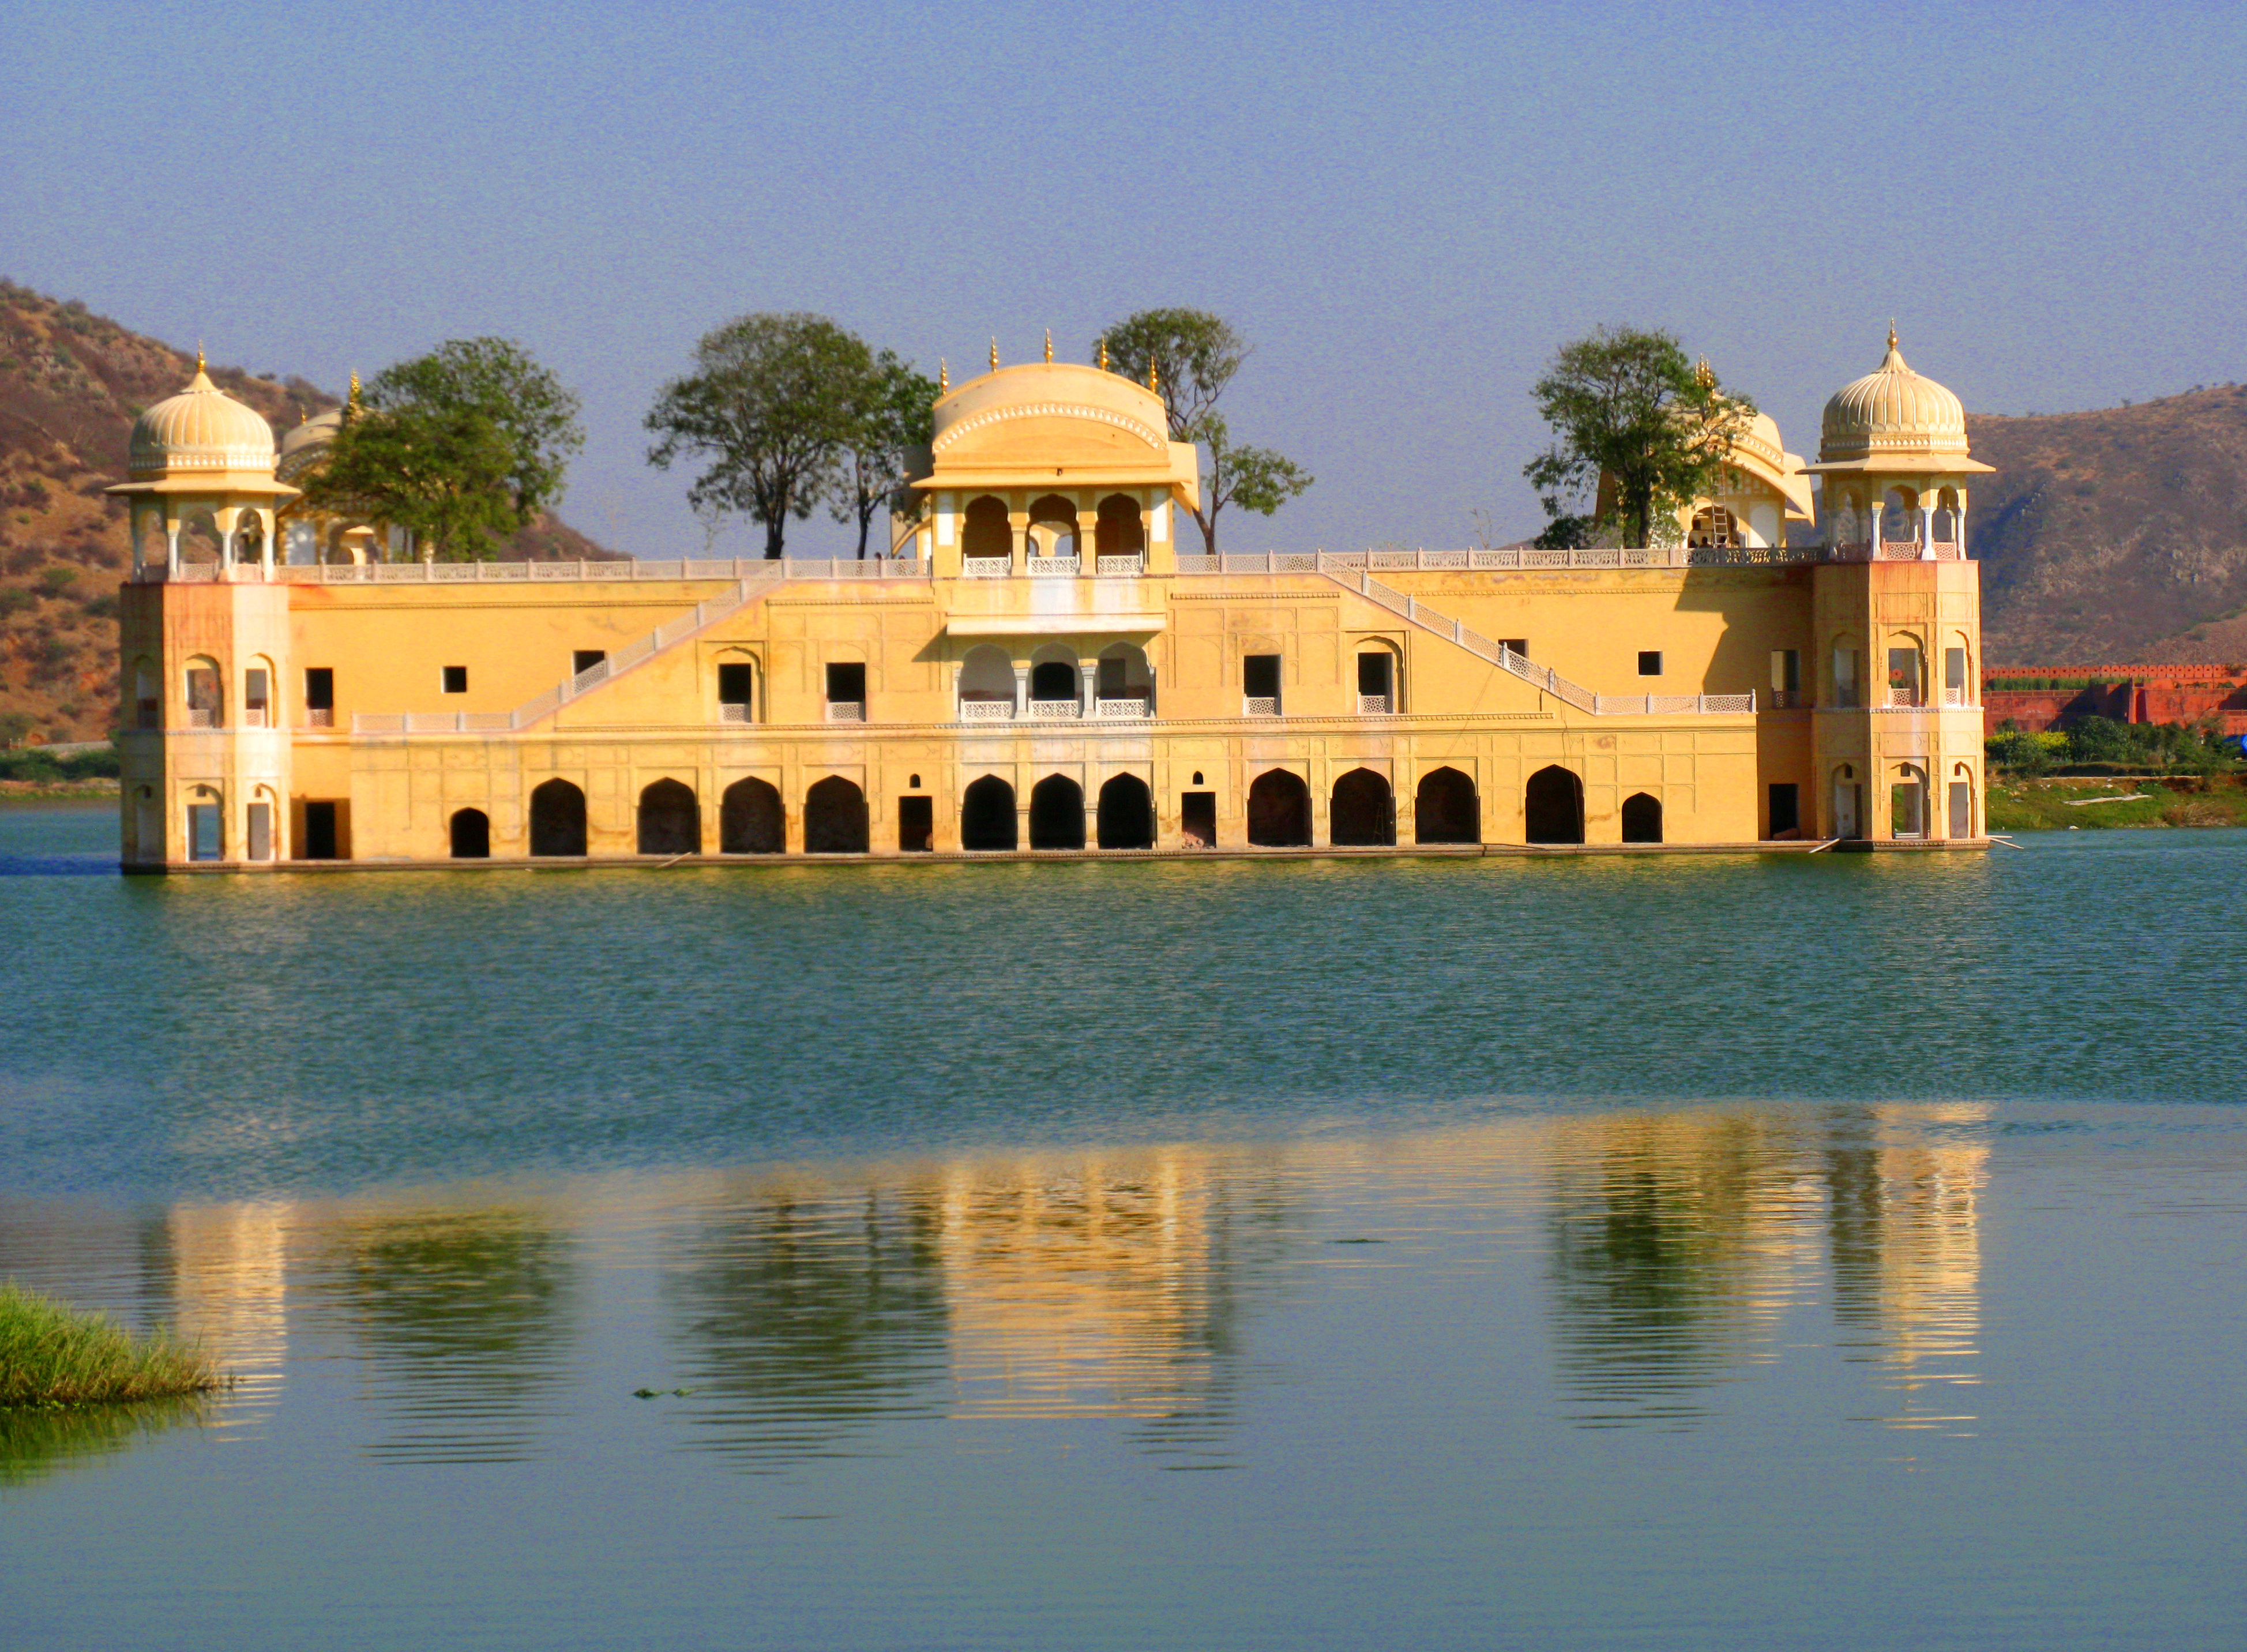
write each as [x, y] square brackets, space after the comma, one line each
[1054, 683]
[1057, 814]
[471, 835]
[1713, 527]
[749, 819]
[835, 820]
[986, 816]
[1908, 802]
[206, 824]
[1380, 679]
[1553, 803]
[670, 819]
[1962, 802]
[249, 539]
[1127, 814]
[1127, 686]
[147, 695]
[1052, 527]
[1278, 810]
[1364, 812]
[204, 691]
[557, 819]
[1120, 529]
[1900, 517]
[198, 540]
[985, 530]
[1848, 802]
[986, 683]
[1642, 819]
[1445, 810]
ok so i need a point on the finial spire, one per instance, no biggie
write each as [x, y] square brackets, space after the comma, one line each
[199, 355]
[1704, 374]
[1049, 346]
[1103, 352]
[353, 403]
[943, 377]
[1154, 376]
[1892, 338]
[994, 354]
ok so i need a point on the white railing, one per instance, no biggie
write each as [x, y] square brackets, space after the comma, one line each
[1056, 710]
[1670, 705]
[446, 573]
[1134, 707]
[1516, 556]
[732, 711]
[1898, 697]
[1119, 567]
[846, 711]
[1954, 697]
[986, 567]
[202, 717]
[320, 717]
[1051, 567]
[1260, 705]
[987, 711]
[1373, 706]
[253, 717]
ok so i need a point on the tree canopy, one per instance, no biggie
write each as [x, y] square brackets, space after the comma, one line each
[463, 448]
[1194, 356]
[890, 413]
[1630, 410]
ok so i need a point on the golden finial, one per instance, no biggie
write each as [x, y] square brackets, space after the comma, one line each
[1154, 376]
[943, 377]
[1892, 338]
[199, 357]
[1049, 346]
[354, 391]
[1703, 375]
[994, 355]
[1103, 352]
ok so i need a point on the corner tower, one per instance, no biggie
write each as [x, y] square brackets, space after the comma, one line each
[1897, 615]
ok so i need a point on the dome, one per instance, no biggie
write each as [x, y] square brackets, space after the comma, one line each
[302, 446]
[1056, 424]
[202, 429]
[1892, 413]
[1053, 391]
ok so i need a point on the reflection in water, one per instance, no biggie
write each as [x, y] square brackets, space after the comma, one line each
[34, 1444]
[466, 1320]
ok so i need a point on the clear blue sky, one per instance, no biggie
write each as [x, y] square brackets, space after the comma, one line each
[1405, 209]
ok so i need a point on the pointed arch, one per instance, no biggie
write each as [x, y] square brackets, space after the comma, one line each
[749, 819]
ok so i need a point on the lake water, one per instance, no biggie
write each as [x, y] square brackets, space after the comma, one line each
[1705, 1251]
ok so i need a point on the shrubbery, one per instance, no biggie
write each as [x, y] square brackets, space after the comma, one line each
[35, 763]
[2100, 745]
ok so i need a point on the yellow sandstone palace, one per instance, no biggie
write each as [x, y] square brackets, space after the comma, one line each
[1046, 666]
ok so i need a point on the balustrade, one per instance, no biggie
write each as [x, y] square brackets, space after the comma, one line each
[846, 711]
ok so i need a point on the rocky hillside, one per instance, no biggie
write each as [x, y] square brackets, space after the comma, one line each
[2118, 534]
[70, 384]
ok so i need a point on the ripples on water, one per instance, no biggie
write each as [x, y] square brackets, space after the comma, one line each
[1324, 1305]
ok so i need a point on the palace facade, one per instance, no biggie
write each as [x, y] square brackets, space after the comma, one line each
[1048, 664]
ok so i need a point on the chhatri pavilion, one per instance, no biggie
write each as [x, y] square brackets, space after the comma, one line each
[1047, 665]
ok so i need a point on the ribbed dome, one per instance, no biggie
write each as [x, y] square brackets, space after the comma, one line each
[1893, 411]
[202, 429]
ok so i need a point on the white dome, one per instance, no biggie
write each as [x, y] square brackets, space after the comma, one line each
[202, 429]
[1892, 413]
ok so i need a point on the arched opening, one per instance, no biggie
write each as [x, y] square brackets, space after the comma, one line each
[1278, 810]
[1946, 517]
[986, 816]
[257, 685]
[1553, 803]
[1907, 674]
[986, 683]
[206, 824]
[1380, 679]
[1057, 814]
[737, 688]
[1848, 802]
[1642, 819]
[835, 818]
[749, 819]
[1962, 802]
[147, 695]
[1119, 530]
[1848, 524]
[471, 835]
[670, 819]
[557, 819]
[1127, 813]
[198, 540]
[1052, 527]
[249, 545]
[1445, 810]
[984, 529]
[1364, 810]
[1713, 527]
[1908, 802]
[1126, 686]
[1055, 682]
[1900, 517]
[152, 547]
[204, 691]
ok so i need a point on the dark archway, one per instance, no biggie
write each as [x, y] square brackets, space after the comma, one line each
[1118, 529]
[1555, 804]
[1642, 819]
[984, 529]
[1364, 810]
[1057, 814]
[749, 819]
[1280, 810]
[1445, 808]
[1054, 679]
[670, 819]
[986, 816]
[471, 835]
[1127, 814]
[835, 818]
[557, 819]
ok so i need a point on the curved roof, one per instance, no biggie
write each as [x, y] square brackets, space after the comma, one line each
[1758, 450]
[1015, 427]
[203, 428]
[1894, 419]
[303, 445]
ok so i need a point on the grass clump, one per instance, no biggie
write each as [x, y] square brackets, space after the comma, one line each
[52, 1355]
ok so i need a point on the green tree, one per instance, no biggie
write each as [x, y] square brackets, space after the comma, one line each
[1194, 356]
[463, 448]
[892, 413]
[772, 406]
[1627, 406]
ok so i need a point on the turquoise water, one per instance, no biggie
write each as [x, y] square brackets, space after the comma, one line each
[1702, 1251]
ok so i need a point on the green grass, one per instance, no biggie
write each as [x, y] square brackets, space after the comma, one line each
[2057, 804]
[52, 1354]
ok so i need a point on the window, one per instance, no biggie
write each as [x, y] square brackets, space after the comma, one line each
[916, 824]
[203, 697]
[583, 659]
[1260, 684]
[256, 690]
[1649, 662]
[1377, 676]
[1787, 677]
[204, 838]
[1903, 677]
[846, 693]
[736, 682]
[456, 679]
[1786, 810]
[1954, 676]
[1197, 818]
[1515, 645]
[1845, 677]
[319, 688]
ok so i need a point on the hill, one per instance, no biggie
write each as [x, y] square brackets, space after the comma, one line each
[70, 384]
[2116, 535]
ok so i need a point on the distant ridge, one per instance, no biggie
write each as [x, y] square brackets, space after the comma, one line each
[70, 384]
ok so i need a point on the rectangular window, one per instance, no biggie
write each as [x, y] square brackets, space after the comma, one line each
[1786, 670]
[1786, 810]
[1373, 671]
[320, 836]
[254, 693]
[1515, 645]
[456, 679]
[1111, 678]
[1906, 805]
[736, 683]
[1954, 676]
[319, 688]
[916, 824]
[202, 697]
[583, 659]
[846, 685]
[1903, 677]
[1845, 677]
[1649, 662]
[148, 713]
[1198, 819]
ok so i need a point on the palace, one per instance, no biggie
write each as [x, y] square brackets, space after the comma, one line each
[1048, 665]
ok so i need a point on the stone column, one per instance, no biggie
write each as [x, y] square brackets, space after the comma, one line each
[1021, 691]
[1090, 670]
